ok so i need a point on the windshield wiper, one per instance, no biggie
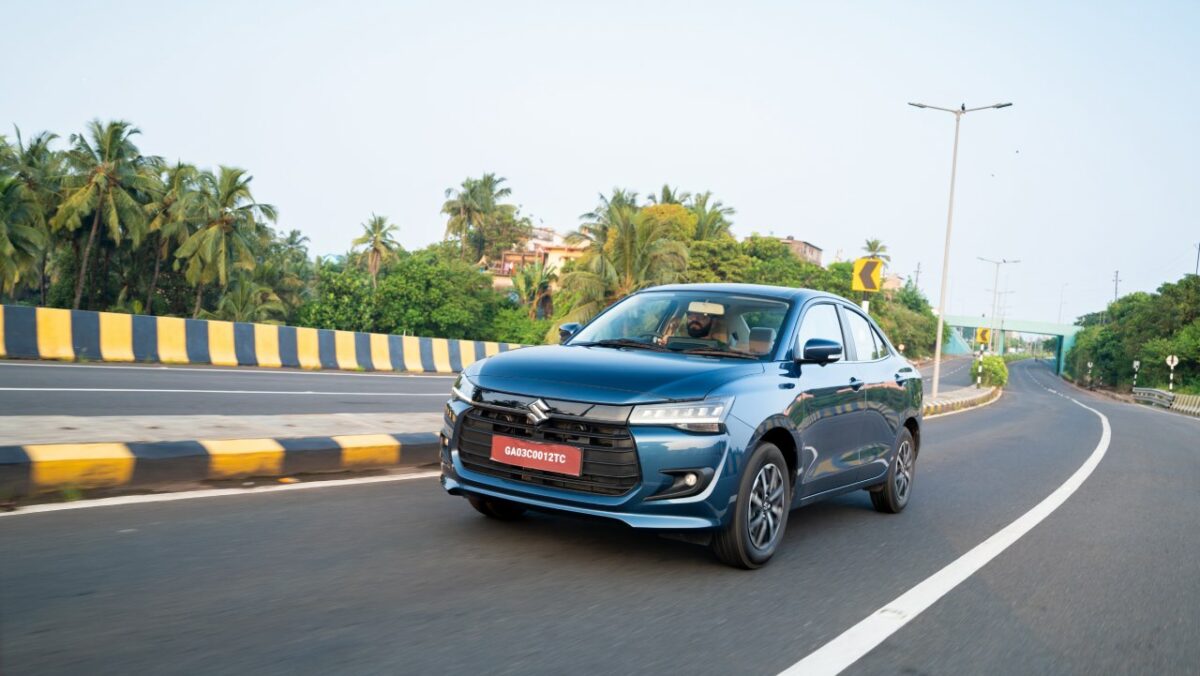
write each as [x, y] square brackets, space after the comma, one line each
[624, 342]
[718, 352]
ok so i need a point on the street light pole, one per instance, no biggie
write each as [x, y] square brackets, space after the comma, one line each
[937, 349]
[1062, 295]
[995, 293]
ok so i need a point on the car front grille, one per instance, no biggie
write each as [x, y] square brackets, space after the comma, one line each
[610, 463]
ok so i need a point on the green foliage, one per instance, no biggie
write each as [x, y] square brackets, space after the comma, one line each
[342, 301]
[513, 325]
[1147, 327]
[427, 296]
[995, 372]
[716, 260]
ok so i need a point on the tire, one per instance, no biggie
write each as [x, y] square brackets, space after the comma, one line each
[892, 496]
[742, 542]
[495, 508]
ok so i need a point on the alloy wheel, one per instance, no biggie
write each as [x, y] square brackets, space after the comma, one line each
[766, 506]
[904, 471]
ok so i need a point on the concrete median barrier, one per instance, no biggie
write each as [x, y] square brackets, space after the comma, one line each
[958, 400]
[40, 468]
[80, 335]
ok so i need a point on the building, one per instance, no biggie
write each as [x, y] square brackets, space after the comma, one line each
[805, 251]
[546, 246]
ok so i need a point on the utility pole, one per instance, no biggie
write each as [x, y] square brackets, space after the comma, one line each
[1197, 260]
[917, 281]
[1116, 285]
[941, 322]
[1062, 294]
[996, 289]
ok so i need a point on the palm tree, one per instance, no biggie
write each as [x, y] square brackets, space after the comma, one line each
[40, 170]
[108, 169]
[380, 245]
[877, 249]
[636, 253]
[20, 239]
[712, 221]
[532, 284]
[229, 230]
[170, 219]
[248, 301]
[593, 232]
[465, 212]
[669, 195]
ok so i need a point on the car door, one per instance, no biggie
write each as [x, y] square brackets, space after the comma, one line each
[828, 406]
[879, 419]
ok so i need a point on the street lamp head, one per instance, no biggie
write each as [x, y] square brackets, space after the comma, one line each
[917, 105]
[1002, 105]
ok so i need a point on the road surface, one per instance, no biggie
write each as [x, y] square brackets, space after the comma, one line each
[400, 578]
[43, 388]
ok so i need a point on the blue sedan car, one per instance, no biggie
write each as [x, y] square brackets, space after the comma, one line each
[713, 409]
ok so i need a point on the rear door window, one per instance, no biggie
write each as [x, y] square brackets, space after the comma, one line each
[863, 336]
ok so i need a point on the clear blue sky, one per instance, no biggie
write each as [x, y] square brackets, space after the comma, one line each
[793, 113]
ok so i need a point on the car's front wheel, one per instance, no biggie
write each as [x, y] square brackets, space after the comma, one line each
[759, 518]
[496, 508]
[892, 495]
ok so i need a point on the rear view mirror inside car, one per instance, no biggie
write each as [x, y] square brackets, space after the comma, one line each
[702, 307]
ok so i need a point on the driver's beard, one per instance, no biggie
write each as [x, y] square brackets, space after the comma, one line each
[697, 330]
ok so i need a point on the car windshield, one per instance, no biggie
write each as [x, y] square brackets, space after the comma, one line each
[710, 324]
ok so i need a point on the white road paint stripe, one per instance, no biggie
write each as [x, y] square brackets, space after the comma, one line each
[248, 370]
[862, 638]
[445, 395]
[212, 493]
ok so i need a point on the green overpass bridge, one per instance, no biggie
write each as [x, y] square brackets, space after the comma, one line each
[963, 332]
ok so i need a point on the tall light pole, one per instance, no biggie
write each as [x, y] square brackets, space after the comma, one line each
[937, 349]
[995, 292]
[1062, 296]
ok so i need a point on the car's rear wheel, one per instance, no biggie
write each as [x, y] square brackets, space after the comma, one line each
[496, 508]
[760, 514]
[892, 496]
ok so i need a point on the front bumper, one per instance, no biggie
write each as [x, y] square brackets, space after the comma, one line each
[660, 450]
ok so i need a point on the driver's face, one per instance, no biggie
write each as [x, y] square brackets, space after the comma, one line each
[698, 323]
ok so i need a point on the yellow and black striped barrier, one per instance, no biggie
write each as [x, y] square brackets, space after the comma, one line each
[39, 468]
[80, 335]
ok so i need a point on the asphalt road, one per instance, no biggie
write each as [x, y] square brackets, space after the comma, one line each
[400, 578]
[41, 388]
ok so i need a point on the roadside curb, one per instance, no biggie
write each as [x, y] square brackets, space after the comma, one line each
[40, 468]
[937, 408]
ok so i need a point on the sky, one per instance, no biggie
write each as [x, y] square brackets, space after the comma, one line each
[792, 113]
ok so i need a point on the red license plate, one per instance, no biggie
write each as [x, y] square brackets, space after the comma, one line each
[557, 458]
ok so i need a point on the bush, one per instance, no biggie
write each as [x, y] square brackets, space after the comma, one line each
[995, 373]
[513, 325]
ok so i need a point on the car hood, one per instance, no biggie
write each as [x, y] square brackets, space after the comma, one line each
[606, 375]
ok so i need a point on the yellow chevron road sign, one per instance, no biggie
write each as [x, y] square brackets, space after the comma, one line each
[983, 336]
[867, 275]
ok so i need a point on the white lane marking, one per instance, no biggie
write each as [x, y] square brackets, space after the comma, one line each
[307, 392]
[863, 637]
[248, 370]
[212, 493]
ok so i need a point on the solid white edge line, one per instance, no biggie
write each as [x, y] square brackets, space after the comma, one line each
[862, 638]
[211, 493]
[273, 392]
[248, 370]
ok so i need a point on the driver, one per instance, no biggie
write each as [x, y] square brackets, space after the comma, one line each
[702, 325]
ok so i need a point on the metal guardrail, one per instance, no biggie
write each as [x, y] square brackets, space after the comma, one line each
[1155, 397]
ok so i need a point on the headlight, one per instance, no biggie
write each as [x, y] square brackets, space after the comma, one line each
[694, 416]
[463, 390]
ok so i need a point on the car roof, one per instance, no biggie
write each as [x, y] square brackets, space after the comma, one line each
[779, 292]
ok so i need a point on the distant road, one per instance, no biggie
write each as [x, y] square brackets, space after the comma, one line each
[45, 388]
[956, 373]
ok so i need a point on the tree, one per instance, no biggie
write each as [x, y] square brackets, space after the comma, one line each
[106, 172]
[380, 245]
[669, 195]
[638, 252]
[675, 220]
[473, 209]
[712, 220]
[20, 239]
[40, 171]
[171, 221]
[875, 248]
[532, 284]
[720, 260]
[229, 231]
[248, 301]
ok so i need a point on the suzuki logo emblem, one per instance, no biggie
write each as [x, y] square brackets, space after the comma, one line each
[539, 412]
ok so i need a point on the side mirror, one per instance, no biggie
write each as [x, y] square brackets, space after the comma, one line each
[567, 330]
[821, 351]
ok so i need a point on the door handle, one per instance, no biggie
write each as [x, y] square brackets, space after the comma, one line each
[856, 384]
